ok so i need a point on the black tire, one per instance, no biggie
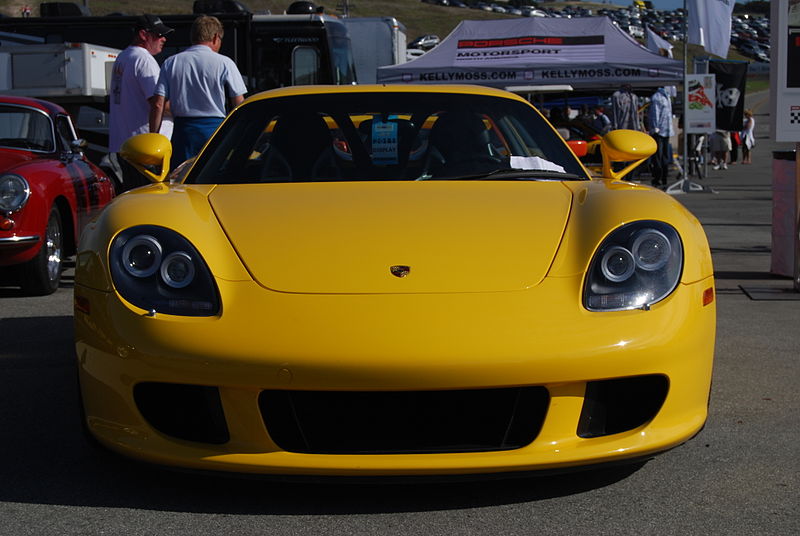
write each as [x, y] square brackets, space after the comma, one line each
[41, 275]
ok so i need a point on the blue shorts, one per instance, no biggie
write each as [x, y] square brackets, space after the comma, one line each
[189, 135]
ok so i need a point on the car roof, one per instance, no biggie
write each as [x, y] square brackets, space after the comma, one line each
[386, 88]
[49, 107]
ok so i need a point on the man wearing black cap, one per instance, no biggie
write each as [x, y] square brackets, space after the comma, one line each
[133, 80]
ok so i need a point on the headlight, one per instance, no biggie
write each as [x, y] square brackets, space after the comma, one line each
[159, 270]
[636, 266]
[14, 193]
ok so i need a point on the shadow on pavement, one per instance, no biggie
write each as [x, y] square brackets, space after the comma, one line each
[45, 459]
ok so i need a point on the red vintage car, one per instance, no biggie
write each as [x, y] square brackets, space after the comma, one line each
[48, 191]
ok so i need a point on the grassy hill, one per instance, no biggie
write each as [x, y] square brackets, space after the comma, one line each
[419, 18]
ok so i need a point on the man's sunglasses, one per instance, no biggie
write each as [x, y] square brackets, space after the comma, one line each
[156, 34]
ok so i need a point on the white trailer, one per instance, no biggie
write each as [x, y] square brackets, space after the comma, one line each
[61, 72]
[376, 42]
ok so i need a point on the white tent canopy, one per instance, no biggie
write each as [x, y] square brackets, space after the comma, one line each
[589, 52]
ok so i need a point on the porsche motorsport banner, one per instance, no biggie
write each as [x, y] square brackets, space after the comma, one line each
[545, 49]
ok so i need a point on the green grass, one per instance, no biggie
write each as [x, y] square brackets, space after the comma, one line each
[757, 84]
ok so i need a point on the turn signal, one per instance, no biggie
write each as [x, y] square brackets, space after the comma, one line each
[82, 304]
[6, 224]
[708, 296]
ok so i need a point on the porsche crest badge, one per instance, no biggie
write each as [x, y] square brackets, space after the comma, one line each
[400, 270]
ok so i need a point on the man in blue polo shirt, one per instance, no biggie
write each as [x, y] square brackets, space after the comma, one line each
[198, 83]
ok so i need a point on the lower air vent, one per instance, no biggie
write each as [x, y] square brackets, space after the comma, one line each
[476, 420]
[190, 412]
[620, 405]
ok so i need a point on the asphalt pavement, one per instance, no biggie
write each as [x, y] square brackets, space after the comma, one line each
[739, 476]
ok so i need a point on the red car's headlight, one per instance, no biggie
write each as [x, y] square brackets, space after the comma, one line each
[14, 193]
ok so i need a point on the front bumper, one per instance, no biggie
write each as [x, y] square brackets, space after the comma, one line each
[17, 249]
[268, 342]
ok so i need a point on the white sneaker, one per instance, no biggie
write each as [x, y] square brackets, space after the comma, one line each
[715, 167]
[724, 165]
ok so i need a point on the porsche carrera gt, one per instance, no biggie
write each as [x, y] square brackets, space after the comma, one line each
[392, 280]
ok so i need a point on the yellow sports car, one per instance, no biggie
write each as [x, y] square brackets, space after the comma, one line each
[392, 280]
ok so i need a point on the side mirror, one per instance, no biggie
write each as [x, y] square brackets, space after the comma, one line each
[149, 154]
[79, 145]
[625, 146]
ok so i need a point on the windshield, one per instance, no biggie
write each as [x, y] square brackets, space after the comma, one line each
[25, 128]
[384, 136]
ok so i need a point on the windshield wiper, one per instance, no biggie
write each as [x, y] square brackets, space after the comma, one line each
[511, 174]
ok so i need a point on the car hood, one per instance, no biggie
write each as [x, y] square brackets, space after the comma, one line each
[10, 159]
[454, 236]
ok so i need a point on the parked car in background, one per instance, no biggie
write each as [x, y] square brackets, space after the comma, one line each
[425, 42]
[49, 191]
[414, 53]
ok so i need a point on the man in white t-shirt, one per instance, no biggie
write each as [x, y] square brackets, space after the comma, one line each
[201, 85]
[133, 80]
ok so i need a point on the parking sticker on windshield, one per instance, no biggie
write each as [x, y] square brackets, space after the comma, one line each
[384, 143]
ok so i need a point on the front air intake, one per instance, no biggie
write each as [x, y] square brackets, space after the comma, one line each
[190, 412]
[620, 405]
[325, 422]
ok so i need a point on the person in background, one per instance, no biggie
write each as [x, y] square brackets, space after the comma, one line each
[133, 79]
[748, 137]
[625, 109]
[601, 122]
[735, 143]
[720, 148]
[585, 115]
[660, 119]
[197, 83]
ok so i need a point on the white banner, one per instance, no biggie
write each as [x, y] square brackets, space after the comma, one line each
[709, 24]
[656, 43]
[784, 72]
[701, 117]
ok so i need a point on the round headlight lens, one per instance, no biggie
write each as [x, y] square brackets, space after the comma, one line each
[14, 193]
[177, 270]
[651, 249]
[618, 264]
[141, 256]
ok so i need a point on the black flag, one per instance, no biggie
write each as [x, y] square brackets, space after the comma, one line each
[731, 78]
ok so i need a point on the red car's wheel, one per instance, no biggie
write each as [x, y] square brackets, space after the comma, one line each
[42, 274]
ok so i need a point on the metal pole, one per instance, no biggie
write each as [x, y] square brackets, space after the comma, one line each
[687, 177]
[797, 218]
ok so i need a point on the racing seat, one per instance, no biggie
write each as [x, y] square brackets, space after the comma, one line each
[298, 147]
[460, 145]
